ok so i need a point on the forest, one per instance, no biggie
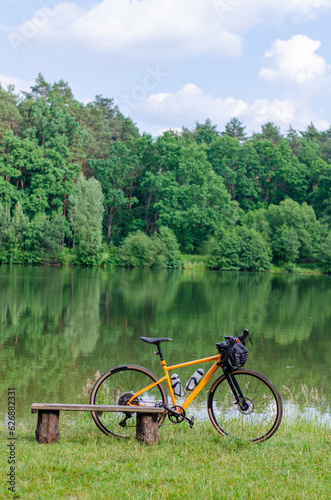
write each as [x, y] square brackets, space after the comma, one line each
[81, 185]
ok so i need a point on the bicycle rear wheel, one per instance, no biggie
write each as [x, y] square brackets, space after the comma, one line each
[116, 387]
[261, 412]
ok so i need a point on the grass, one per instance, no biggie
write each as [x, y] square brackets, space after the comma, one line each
[297, 268]
[194, 262]
[199, 262]
[188, 464]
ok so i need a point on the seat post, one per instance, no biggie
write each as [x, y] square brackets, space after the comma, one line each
[159, 351]
[157, 341]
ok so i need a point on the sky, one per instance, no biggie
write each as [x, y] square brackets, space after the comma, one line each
[170, 63]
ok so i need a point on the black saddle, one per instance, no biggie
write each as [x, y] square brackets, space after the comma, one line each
[156, 341]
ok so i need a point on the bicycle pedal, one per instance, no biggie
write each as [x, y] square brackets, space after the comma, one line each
[190, 421]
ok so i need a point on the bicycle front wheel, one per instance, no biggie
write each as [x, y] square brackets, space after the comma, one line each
[116, 387]
[257, 419]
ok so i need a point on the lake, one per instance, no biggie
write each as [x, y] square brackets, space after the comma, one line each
[59, 326]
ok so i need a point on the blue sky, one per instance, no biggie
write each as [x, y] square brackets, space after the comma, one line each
[170, 63]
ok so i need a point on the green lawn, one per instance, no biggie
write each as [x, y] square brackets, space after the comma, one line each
[188, 464]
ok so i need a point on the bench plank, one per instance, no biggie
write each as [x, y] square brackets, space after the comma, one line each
[35, 407]
[48, 427]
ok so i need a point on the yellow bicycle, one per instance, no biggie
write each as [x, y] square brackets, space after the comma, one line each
[241, 403]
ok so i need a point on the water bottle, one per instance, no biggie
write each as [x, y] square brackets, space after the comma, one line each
[177, 385]
[194, 380]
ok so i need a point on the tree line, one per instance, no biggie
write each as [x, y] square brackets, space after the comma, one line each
[79, 183]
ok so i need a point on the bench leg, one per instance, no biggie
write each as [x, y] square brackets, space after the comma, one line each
[48, 426]
[147, 429]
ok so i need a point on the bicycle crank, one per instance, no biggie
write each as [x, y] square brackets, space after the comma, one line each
[176, 415]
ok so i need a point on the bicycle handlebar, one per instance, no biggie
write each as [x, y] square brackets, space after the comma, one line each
[224, 348]
[244, 336]
[231, 341]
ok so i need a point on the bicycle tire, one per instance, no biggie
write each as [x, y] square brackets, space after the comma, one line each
[263, 415]
[115, 387]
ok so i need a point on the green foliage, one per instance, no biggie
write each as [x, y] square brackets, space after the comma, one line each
[173, 255]
[296, 234]
[270, 132]
[326, 253]
[223, 154]
[235, 128]
[191, 199]
[36, 239]
[103, 123]
[159, 251]
[139, 250]
[286, 244]
[117, 175]
[10, 116]
[31, 242]
[12, 234]
[41, 178]
[280, 174]
[85, 215]
[43, 239]
[197, 183]
[239, 249]
[321, 196]
[110, 257]
[205, 132]
[257, 220]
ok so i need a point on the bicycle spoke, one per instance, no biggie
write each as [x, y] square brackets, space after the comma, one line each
[117, 387]
[258, 420]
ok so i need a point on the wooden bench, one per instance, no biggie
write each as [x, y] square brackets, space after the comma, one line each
[48, 425]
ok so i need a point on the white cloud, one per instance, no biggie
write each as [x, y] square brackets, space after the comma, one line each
[280, 111]
[190, 103]
[20, 85]
[294, 60]
[242, 15]
[159, 27]
[46, 24]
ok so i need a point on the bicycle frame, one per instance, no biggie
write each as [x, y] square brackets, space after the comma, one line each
[241, 403]
[166, 369]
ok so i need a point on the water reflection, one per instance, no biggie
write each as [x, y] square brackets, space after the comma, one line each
[59, 326]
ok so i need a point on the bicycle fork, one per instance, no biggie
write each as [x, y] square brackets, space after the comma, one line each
[236, 390]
